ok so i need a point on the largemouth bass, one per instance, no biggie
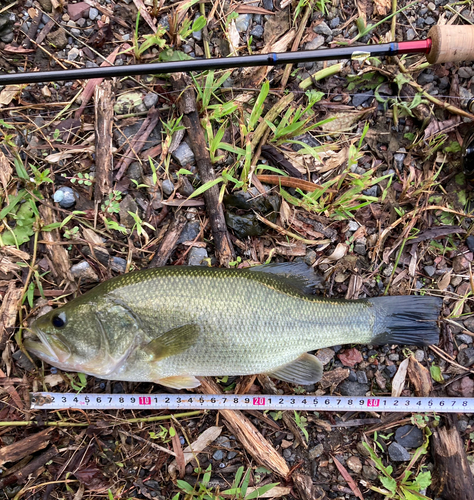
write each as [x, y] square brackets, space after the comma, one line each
[170, 325]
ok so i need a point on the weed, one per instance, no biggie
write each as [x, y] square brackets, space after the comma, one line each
[77, 385]
[405, 487]
[189, 27]
[238, 490]
[85, 179]
[302, 422]
[139, 223]
[154, 40]
[165, 435]
[112, 204]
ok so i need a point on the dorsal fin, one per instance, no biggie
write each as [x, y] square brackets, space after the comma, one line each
[296, 274]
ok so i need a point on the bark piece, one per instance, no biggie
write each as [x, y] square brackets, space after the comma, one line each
[420, 377]
[57, 253]
[138, 142]
[453, 478]
[27, 446]
[95, 82]
[22, 475]
[104, 116]
[168, 243]
[187, 107]
[260, 449]
[305, 487]
[8, 311]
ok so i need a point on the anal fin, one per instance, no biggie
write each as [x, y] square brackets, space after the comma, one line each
[179, 382]
[305, 370]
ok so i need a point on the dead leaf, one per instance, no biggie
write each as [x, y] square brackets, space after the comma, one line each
[5, 171]
[339, 253]
[420, 377]
[141, 7]
[350, 357]
[275, 492]
[9, 93]
[344, 122]
[233, 38]
[352, 484]
[335, 160]
[53, 380]
[178, 449]
[276, 26]
[93, 478]
[334, 377]
[92, 237]
[249, 9]
[382, 7]
[381, 380]
[436, 127]
[398, 382]
[62, 155]
[445, 281]
[201, 443]
[12, 49]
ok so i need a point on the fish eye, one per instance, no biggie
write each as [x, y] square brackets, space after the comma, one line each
[59, 320]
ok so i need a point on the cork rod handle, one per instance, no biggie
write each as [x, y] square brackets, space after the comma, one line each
[451, 44]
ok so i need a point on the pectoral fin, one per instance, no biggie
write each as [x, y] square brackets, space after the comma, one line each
[172, 342]
[179, 382]
[305, 370]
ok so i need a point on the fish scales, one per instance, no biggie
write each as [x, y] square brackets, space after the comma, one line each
[170, 325]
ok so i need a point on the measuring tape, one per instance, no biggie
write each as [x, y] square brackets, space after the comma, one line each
[57, 401]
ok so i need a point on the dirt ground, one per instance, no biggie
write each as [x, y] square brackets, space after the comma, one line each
[354, 167]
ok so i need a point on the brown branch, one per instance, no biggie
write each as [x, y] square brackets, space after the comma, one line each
[187, 107]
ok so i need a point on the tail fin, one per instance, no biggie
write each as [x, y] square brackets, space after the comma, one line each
[409, 320]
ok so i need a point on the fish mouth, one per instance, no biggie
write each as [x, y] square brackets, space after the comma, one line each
[51, 350]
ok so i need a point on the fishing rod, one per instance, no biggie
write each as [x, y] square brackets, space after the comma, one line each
[444, 44]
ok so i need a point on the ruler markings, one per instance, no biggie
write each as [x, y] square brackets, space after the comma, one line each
[55, 401]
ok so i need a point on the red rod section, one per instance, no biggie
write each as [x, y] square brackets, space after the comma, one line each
[416, 47]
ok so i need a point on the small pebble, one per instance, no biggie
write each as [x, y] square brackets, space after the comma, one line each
[323, 29]
[315, 43]
[398, 453]
[73, 54]
[354, 464]
[430, 270]
[218, 455]
[257, 31]
[334, 22]
[242, 22]
[470, 243]
[409, 436]
[150, 99]
[183, 154]
[84, 272]
[463, 338]
[315, 452]
[196, 256]
[168, 187]
[419, 355]
[66, 197]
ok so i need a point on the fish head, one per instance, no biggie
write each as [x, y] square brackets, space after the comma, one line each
[68, 337]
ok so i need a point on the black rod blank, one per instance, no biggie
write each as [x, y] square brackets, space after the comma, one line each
[273, 59]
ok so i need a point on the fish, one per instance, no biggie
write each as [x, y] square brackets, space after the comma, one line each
[173, 324]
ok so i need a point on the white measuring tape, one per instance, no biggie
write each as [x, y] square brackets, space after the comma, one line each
[57, 401]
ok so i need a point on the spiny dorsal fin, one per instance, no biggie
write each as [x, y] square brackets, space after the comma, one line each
[305, 370]
[172, 342]
[296, 274]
